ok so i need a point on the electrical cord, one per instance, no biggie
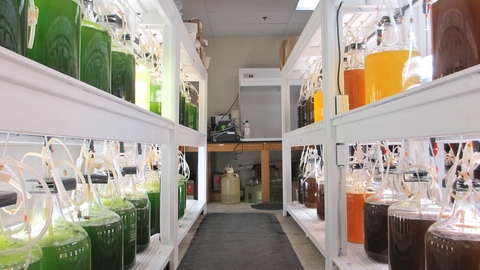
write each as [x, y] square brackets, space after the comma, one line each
[235, 150]
[235, 101]
[339, 52]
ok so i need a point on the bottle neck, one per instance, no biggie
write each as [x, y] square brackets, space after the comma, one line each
[464, 209]
[39, 212]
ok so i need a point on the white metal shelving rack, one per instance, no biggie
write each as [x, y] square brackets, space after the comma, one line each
[40, 101]
[440, 109]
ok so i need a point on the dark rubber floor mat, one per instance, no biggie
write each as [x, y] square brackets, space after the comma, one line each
[268, 206]
[240, 241]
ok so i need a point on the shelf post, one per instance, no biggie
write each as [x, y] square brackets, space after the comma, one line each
[286, 150]
[169, 179]
[335, 214]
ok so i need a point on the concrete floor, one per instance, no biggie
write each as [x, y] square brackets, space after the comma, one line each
[307, 253]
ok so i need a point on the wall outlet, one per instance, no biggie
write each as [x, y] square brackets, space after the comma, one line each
[343, 155]
[341, 104]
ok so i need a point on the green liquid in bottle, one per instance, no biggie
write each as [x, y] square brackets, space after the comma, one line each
[182, 197]
[57, 37]
[123, 74]
[128, 214]
[13, 25]
[17, 260]
[154, 212]
[155, 99]
[66, 246]
[106, 237]
[96, 49]
[143, 222]
[191, 115]
[153, 192]
[182, 110]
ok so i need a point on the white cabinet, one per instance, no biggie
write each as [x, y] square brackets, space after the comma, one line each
[37, 100]
[441, 109]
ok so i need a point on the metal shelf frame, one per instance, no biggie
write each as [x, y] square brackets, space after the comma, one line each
[37, 100]
[440, 109]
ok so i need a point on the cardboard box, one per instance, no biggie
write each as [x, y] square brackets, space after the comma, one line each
[203, 41]
[199, 24]
[282, 53]
[217, 181]
[291, 41]
[201, 53]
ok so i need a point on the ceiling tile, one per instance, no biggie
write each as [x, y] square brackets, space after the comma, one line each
[198, 15]
[294, 29]
[192, 5]
[249, 30]
[250, 5]
[249, 17]
[300, 16]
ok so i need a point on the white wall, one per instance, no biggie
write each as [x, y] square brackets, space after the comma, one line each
[230, 54]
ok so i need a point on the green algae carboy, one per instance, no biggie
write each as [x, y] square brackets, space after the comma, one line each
[13, 257]
[123, 72]
[104, 227]
[95, 51]
[128, 214]
[57, 36]
[13, 25]
[140, 200]
[65, 245]
[152, 187]
[182, 195]
[156, 93]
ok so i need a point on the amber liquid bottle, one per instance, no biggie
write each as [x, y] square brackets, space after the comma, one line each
[310, 189]
[357, 192]
[384, 66]
[375, 216]
[455, 36]
[454, 243]
[408, 222]
[321, 200]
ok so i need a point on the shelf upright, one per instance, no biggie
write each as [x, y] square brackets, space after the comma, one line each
[179, 53]
[44, 102]
[309, 47]
[170, 96]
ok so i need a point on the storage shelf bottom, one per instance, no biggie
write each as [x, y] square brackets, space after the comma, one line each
[156, 256]
[192, 211]
[307, 219]
[356, 258]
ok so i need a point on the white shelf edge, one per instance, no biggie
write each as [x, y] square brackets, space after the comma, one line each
[189, 137]
[357, 259]
[410, 114]
[156, 256]
[307, 219]
[307, 135]
[199, 71]
[302, 47]
[192, 212]
[27, 87]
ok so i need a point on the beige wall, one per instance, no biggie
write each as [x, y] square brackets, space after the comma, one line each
[230, 54]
